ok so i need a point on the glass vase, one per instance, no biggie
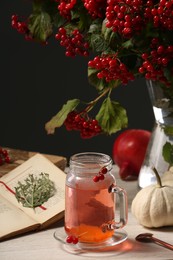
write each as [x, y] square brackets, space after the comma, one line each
[163, 113]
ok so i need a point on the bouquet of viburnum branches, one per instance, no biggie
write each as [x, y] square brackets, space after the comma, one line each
[129, 38]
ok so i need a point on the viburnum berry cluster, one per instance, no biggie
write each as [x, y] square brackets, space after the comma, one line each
[126, 39]
[100, 176]
[155, 61]
[161, 14]
[125, 18]
[111, 68]
[96, 8]
[73, 42]
[20, 26]
[81, 122]
[65, 7]
[4, 156]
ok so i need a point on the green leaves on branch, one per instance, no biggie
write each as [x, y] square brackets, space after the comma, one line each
[112, 117]
[59, 118]
[35, 190]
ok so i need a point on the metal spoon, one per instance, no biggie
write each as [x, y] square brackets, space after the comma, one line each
[148, 237]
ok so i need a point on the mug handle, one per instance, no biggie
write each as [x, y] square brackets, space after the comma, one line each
[123, 206]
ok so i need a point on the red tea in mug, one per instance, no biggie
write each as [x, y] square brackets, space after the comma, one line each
[90, 204]
[86, 213]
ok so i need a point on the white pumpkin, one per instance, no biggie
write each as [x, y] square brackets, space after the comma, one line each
[153, 205]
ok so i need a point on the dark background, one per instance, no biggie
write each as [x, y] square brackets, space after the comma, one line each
[37, 80]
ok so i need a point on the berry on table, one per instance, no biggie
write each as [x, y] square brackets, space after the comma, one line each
[75, 240]
[72, 239]
[4, 156]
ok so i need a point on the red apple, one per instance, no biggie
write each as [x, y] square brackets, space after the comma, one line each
[129, 150]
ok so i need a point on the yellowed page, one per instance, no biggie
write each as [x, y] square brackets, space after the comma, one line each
[13, 220]
[36, 165]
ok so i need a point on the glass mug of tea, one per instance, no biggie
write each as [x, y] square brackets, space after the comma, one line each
[90, 200]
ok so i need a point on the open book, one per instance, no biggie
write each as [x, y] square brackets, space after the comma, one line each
[14, 217]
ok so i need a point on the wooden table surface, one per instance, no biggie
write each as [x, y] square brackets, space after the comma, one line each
[43, 246]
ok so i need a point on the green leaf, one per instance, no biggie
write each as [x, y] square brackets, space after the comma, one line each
[94, 80]
[80, 17]
[98, 43]
[96, 37]
[95, 27]
[112, 116]
[107, 32]
[59, 118]
[74, 14]
[40, 25]
[167, 153]
[111, 37]
[37, 6]
[58, 20]
[128, 44]
[49, 7]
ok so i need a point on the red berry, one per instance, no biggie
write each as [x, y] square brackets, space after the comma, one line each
[101, 177]
[96, 178]
[69, 239]
[4, 152]
[104, 170]
[1, 161]
[7, 159]
[75, 240]
[72, 239]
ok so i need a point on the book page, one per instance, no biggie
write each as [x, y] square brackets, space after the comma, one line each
[36, 165]
[13, 220]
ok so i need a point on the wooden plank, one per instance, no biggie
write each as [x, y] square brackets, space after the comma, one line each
[19, 156]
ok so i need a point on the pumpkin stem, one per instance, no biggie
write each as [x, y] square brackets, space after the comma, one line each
[157, 177]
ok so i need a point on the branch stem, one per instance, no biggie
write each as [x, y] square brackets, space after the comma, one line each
[157, 177]
[93, 102]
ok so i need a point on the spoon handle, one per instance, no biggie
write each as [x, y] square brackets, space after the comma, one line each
[163, 243]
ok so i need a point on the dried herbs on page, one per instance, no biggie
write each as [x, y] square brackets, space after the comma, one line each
[35, 190]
